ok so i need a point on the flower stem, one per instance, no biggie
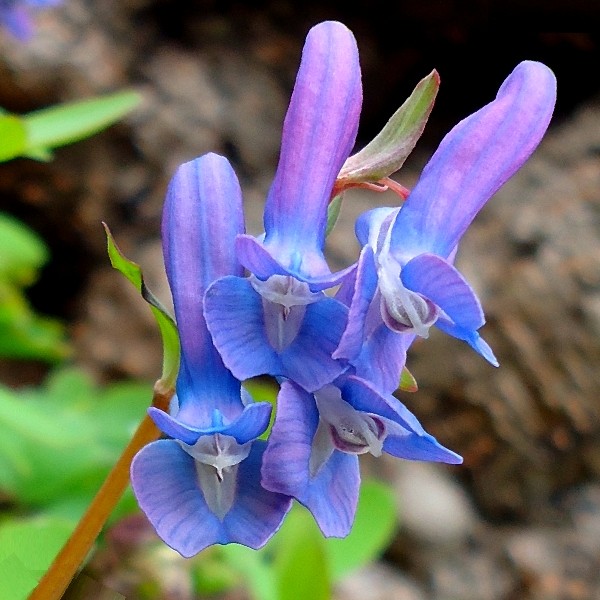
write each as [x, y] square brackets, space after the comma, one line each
[53, 584]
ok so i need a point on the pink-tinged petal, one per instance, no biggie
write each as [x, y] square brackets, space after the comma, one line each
[165, 482]
[202, 215]
[473, 161]
[383, 357]
[319, 133]
[436, 279]
[236, 319]
[260, 261]
[250, 424]
[365, 287]
[332, 493]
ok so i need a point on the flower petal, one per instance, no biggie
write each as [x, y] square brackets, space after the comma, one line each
[473, 161]
[250, 424]
[318, 135]
[365, 287]
[202, 215]
[235, 317]
[332, 494]
[382, 358]
[424, 447]
[434, 278]
[165, 484]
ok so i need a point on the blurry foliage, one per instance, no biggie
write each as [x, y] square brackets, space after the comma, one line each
[23, 333]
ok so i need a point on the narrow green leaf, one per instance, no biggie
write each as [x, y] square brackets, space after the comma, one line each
[12, 136]
[333, 212]
[165, 321]
[372, 532]
[386, 153]
[301, 559]
[60, 125]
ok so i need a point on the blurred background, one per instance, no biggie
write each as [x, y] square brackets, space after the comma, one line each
[521, 518]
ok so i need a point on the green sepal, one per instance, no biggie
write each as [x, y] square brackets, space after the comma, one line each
[73, 121]
[13, 136]
[386, 153]
[164, 320]
[407, 381]
[333, 212]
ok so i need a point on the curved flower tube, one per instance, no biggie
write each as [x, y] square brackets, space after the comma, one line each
[202, 486]
[279, 321]
[316, 439]
[406, 282]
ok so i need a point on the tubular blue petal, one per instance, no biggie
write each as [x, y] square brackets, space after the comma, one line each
[258, 260]
[165, 482]
[473, 161]
[372, 225]
[235, 317]
[425, 447]
[382, 358]
[250, 424]
[332, 494]
[364, 291]
[439, 281]
[318, 135]
[202, 215]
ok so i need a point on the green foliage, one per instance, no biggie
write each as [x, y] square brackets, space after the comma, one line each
[23, 333]
[27, 547]
[299, 563]
[59, 441]
[34, 135]
[165, 322]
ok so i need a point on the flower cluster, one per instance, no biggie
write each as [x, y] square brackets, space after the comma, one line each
[15, 17]
[248, 306]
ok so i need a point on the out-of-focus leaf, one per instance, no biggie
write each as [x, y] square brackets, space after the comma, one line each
[66, 123]
[12, 136]
[300, 562]
[27, 547]
[164, 320]
[257, 572]
[22, 252]
[264, 390]
[371, 533]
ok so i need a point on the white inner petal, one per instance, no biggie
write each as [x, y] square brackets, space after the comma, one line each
[217, 458]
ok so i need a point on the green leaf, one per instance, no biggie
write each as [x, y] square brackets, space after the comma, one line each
[256, 571]
[386, 153]
[22, 252]
[333, 212]
[27, 547]
[264, 389]
[300, 561]
[66, 123]
[165, 321]
[12, 136]
[371, 534]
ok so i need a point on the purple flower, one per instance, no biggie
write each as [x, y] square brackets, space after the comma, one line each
[316, 439]
[406, 281]
[202, 487]
[278, 321]
[15, 16]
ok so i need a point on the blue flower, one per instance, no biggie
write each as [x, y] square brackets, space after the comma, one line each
[15, 17]
[316, 439]
[202, 486]
[279, 321]
[405, 281]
